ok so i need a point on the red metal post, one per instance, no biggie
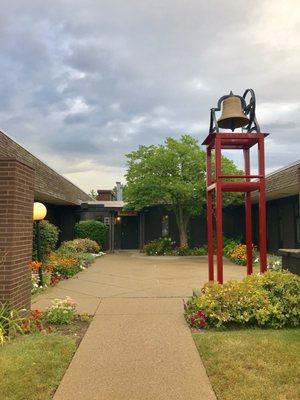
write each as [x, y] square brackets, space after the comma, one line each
[236, 141]
[219, 227]
[262, 207]
[248, 213]
[209, 216]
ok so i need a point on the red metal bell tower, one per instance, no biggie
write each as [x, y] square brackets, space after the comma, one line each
[236, 113]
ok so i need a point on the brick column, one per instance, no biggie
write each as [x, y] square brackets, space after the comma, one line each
[16, 209]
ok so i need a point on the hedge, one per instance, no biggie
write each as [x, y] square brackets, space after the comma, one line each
[91, 229]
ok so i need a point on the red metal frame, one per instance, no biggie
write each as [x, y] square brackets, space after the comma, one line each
[216, 186]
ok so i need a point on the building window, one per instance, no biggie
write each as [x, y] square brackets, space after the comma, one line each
[165, 226]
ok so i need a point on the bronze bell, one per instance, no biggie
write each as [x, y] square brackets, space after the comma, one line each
[232, 116]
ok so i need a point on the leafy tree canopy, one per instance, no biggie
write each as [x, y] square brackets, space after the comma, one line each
[172, 174]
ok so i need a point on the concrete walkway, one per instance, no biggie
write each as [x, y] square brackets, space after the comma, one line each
[138, 346]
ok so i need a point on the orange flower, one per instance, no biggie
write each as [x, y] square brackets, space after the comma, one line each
[35, 265]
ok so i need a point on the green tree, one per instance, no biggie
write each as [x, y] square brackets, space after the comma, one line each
[93, 193]
[174, 175]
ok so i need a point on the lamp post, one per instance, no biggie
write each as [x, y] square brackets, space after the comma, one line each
[39, 213]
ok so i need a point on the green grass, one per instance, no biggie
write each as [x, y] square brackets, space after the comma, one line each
[31, 367]
[252, 364]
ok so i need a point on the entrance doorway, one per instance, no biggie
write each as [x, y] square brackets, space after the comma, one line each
[130, 232]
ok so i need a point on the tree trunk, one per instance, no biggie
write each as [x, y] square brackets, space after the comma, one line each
[182, 223]
[183, 236]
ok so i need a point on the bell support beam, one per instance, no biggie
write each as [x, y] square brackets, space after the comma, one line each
[209, 217]
[248, 213]
[219, 222]
[215, 188]
[262, 208]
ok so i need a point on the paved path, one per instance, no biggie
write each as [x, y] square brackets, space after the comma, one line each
[138, 346]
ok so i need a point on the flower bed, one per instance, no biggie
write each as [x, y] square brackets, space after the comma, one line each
[166, 247]
[71, 258]
[268, 300]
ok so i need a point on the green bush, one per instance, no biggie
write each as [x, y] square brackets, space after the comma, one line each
[199, 251]
[165, 246]
[183, 251]
[49, 234]
[229, 245]
[66, 263]
[91, 229]
[10, 323]
[269, 300]
[81, 245]
[61, 311]
[159, 247]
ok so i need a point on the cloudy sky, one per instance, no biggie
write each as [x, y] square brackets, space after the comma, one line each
[84, 82]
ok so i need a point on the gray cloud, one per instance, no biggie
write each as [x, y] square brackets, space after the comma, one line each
[93, 81]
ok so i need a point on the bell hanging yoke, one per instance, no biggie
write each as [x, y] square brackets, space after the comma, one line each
[237, 112]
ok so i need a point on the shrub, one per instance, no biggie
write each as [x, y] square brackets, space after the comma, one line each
[61, 311]
[273, 262]
[186, 251]
[183, 251]
[33, 323]
[64, 264]
[268, 300]
[49, 237]
[94, 230]
[236, 251]
[165, 246]
[238, 254]
[81, 245]
[159, 247]
[199, 251]
[229, 245]
[10, 323]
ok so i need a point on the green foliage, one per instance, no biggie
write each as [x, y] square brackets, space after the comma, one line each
[172, 174]
[93, 193]
[159, 247]
[183, 251]
[199, 251]
[186, 251]
[81, 245]
[273, 262]
[10, 323]
[91, 229]
[229, 245]
[61, 311]
[66, 262]
[165, 246]
[49, 234]
[268, 300]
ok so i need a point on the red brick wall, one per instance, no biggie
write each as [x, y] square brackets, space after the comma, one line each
[16, 205]
[104, 195]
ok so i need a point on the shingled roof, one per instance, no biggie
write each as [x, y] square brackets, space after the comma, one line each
[282, 183]
[50, 186]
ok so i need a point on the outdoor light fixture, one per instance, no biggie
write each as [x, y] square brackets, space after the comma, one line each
[237, 112]
[118, 219]
[39, 213]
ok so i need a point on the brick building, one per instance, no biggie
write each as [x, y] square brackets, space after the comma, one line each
[24, 179]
